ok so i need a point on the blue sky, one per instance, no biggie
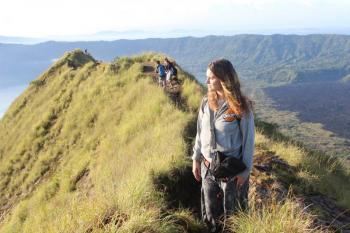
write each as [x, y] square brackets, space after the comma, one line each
[39, 18]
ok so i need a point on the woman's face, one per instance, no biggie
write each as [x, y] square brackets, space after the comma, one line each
[213, 82]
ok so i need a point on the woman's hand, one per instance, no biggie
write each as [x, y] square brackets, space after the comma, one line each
[196, 170]
[239, 181]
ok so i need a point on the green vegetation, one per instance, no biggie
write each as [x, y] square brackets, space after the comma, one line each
[86, 157]
[274, 218]
[96, 147]
[314, 172]
[260, 59]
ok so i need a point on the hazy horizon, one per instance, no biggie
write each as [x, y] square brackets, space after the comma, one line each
[178, 33]
[20, 18]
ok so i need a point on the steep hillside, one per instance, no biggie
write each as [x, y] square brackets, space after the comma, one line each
[97, 147]
[80, 147]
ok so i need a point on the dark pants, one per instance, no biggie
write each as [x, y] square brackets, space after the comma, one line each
[219, 199]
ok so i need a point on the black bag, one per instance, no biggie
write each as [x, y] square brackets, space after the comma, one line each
[223, 166]
[173, 70]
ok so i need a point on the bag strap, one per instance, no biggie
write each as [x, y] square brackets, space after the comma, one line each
[212, 132]
[204, 102]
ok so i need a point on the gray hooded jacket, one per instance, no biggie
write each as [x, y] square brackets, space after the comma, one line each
[230, 136]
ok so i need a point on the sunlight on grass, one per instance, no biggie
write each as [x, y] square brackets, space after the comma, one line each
[276, 217]
[99, 141]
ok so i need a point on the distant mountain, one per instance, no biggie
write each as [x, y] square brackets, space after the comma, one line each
[110, 35]
[20, 40]
[261, 59]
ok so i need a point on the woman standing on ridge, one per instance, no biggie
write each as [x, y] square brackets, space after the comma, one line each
[225, 124]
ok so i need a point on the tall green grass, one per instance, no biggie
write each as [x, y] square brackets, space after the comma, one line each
[90, 140]
[315, 172]
[275, 217]
[81, 147]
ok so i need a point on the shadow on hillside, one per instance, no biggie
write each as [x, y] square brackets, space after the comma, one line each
[334, 99]
[180, 189]
[285, 182]
[179, 186]
[148, 68]
[319, 180]
[271, 131]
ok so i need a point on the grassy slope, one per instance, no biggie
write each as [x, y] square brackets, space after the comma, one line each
[314, 172]
[307, 174]
[87, 141]
[81, 148]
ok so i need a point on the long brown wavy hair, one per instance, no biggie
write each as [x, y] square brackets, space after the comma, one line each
[237, 101]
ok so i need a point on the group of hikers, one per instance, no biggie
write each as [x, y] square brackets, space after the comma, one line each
[166, 72]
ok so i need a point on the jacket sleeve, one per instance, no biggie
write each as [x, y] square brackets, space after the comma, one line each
[248, 133]
[197, 145]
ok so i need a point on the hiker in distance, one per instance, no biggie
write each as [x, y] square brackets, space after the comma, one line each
[224, 146]
[170, 69]
[160, 70]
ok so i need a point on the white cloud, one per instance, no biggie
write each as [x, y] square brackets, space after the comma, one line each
[44, 17]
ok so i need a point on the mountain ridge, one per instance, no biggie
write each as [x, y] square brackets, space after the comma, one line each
[98, 147]
[256, 57]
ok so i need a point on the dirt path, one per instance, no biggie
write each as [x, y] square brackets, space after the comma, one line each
[172, 88]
